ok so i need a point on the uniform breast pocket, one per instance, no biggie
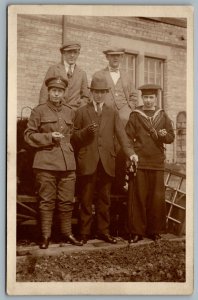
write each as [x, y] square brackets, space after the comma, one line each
[48, 124]
[69, 125]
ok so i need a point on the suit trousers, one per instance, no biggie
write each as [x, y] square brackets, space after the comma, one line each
[147, 200]
[96, 187]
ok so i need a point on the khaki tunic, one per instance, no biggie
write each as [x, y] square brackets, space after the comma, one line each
[44, 120]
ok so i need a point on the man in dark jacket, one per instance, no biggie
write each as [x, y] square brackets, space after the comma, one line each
[148, 129]
[77, 93]
[49, 131]
[123, 96]
[96, 127]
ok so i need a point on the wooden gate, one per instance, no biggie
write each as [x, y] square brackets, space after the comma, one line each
[175, 196]
[175, 184]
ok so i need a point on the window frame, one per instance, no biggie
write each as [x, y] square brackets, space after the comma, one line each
[160, 101]
[134, 54]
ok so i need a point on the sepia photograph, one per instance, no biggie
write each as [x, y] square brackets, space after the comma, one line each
[100, 150]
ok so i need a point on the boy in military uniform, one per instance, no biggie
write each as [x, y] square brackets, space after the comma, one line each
[49, 131]
[148, 128]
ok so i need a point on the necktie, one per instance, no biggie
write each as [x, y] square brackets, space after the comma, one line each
[99, 110]
[114, 70]
[69, 73]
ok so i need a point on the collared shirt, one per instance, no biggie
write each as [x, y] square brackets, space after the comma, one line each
[67, 67]
[95, 105]
[54, 107]
[115, 74]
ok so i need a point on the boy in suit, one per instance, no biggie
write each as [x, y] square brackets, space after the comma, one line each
[123, 96]
[77, 92]
[96, 126]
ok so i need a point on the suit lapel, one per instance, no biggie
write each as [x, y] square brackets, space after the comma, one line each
[104, 116]
[62, 70]
[76, 72]
[91, 113]
[124, 80]
[109, 79]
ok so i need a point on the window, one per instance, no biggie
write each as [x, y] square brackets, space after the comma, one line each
[154, 73]
[128, 64]
[181, 137]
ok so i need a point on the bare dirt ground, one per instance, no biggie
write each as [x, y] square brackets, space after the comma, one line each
[97, 261]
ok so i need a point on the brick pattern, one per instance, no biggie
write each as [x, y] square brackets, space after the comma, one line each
[37, 44]
[135, 27]
[40, 36]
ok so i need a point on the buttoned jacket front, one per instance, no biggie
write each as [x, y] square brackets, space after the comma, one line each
[129, 90]
[44, 120]
[101, 146]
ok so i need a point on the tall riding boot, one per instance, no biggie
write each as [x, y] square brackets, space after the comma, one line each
[46, 217]
[65, 226]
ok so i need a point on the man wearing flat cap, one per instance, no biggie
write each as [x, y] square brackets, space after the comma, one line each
[123, 94]
[148, 129]
[49, 131]
[77, 93]
[96, 126]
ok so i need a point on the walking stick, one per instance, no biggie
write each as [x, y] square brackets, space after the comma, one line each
[131, 170]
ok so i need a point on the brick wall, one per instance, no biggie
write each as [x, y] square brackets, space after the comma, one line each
[141, 36]
[38, 39]
[175, 92]
[40, 36]
[131, 27]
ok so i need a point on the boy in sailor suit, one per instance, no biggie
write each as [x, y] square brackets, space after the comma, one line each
[148, 129]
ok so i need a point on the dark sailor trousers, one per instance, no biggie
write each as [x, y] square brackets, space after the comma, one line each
[148, 204]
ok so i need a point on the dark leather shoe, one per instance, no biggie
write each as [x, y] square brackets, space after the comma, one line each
[154, 237]
[84, 238]
[70, 238]
[136, 238]
[44, 243]
[108, 238]
[130, 238]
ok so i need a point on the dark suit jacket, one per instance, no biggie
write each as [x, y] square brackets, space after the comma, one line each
[77, 88]
[127, 84]
[101, 145]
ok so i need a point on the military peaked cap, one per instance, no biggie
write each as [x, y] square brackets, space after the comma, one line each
[58, 82]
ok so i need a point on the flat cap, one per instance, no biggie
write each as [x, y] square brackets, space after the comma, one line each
[148, 89]
[113, 51]
[58, 82]
[70, 45]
